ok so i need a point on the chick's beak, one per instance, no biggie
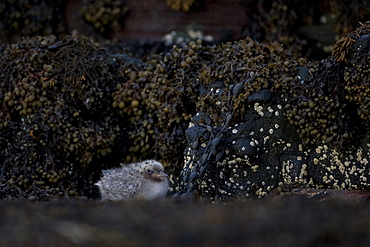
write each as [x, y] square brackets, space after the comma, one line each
[159, 175]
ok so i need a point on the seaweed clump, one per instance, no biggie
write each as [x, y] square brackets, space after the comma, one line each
[159, 99]
[70, 109]
[104, 15]
[31, 17]
[54, 123]
[307, 28]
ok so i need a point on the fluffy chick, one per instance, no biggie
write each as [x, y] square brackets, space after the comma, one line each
[136, 180]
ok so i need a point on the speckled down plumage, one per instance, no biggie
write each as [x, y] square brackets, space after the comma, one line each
[144, 180]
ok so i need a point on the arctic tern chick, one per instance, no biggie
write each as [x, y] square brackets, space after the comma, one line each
[144, 180]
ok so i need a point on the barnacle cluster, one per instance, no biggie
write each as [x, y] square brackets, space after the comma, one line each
[241, 160]
[104, 15]
[338, 86]
[231, 127]
[241, 69]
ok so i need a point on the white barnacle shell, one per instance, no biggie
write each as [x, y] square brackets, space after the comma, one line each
[258, 109]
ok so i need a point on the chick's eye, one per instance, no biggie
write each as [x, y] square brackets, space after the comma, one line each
[150, 171]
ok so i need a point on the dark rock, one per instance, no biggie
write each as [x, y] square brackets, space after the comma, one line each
[261, 96]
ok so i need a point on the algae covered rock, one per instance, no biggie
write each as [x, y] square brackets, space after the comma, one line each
[249, 116]
[312, 129]
[54, 120]
[71, 109]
